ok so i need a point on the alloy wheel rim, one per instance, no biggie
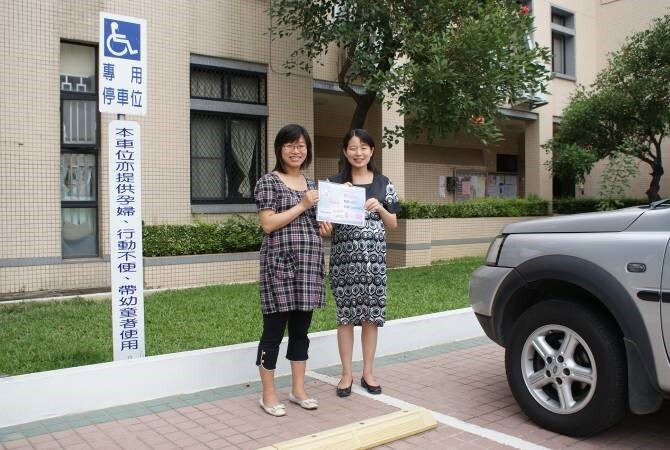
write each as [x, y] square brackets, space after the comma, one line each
[558, 369]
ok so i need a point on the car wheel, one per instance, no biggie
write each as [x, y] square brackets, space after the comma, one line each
[566, 368]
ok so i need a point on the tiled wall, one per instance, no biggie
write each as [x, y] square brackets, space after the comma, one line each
[55, 277]
[200, 274]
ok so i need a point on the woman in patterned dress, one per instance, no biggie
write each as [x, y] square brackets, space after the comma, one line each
[358, 259]
[291, 265]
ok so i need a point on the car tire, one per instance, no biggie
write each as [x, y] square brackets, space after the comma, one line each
[566, 368]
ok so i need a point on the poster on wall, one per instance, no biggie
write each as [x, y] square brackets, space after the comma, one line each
[470, 184]
[501, 185]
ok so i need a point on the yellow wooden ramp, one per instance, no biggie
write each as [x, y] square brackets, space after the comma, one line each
[367, 433]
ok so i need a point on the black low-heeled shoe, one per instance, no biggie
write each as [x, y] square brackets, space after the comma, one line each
[371, 389]
[344, 392]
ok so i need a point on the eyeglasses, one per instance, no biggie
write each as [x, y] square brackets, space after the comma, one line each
[291, 147]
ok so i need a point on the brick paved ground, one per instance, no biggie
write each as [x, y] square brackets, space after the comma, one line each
[462, 380]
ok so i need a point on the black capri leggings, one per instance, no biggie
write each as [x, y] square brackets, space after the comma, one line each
[273, 331]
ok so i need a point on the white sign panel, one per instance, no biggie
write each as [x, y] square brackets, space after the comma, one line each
[123, 65]
[125, 237]
[341, 204]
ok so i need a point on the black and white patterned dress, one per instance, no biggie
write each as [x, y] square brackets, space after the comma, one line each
[291, 258]
[358, 260]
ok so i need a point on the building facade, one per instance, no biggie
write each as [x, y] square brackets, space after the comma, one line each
[217, 94]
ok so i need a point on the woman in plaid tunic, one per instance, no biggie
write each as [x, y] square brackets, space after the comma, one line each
[292, 256]
[291, 262]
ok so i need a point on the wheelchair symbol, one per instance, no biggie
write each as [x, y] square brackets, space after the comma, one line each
[117, 43]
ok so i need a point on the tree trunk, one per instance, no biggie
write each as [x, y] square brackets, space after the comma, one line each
[657, 171]
[655, 185]
[363, 105]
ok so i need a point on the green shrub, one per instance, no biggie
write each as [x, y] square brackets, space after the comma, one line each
[237, 234]
[490, 207]
[582, 205]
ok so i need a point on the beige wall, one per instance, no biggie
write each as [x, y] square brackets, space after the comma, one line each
[426, 162]
[327, 66]
[29, 131]
[619, 18]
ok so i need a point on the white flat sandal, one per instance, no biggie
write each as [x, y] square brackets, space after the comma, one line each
[308, 403]
[277, 410]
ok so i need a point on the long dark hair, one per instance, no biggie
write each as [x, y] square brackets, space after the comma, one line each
[291, 133]
[344, 165]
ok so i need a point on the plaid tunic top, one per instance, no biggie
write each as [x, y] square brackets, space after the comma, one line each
[292, 275]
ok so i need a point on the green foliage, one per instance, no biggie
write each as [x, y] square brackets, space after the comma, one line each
[626, 111]
[237, 234]
[570, 161]
[582, 205]
[492, 207]
[615, 180]
[449, 64]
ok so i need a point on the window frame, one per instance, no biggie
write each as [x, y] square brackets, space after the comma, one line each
[226, 87]
[567, 34]
[228, 110]
[227, 118]
[92, 149]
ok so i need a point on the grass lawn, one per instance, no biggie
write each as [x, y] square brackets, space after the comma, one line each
[41, 336]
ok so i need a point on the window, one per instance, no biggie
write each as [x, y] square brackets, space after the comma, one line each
[506, 163]
[563, 42]
[228, 137]
[79, 151]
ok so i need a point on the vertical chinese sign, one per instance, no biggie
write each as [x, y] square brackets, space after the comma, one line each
[125, 235]
[122, 74]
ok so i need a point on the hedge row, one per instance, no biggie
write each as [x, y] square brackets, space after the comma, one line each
[238, 234]
[582, 205]
[491, 207]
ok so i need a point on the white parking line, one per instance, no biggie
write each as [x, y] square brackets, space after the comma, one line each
[453, 422]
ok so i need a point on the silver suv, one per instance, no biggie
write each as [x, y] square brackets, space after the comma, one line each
[581, 304]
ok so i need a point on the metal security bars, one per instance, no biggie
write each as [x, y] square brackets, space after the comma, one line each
[228, 136]
[228, 85]
[79, 151]
[227, 157]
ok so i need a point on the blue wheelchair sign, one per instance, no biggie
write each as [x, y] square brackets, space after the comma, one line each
[122, 39]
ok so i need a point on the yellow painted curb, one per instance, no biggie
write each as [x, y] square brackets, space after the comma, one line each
[367, 433]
